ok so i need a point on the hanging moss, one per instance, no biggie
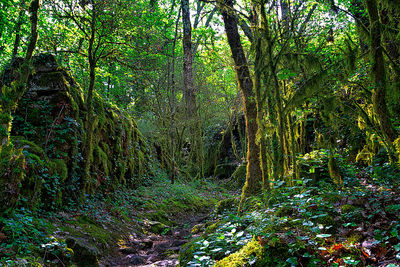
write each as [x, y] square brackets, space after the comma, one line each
[102, 158]
[54, 112]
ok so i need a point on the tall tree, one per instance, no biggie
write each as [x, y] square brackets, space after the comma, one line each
[189, 90]
[379, 72]
[254, 178]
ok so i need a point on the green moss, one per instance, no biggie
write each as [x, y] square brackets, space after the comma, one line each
[29, 146]
[197, 228]
[354, 238]
[229, 204]
[327, 221]
[334, 171]
[397, 146]
[212, 228]
[84, 226]
[238, 177]
[331, 197]
[59, 167]
[102, 159]
[241, 258]
[12, 165]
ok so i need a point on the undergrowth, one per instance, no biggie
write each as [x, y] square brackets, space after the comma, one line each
[309, 224]
[39, 238]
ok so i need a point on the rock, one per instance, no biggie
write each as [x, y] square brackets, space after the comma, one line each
[161, 246]
[156, 227]
[45, 63]
[178, 243]
[134, 259]
[147, 244]
[153, 238]
[84, 254]
[136, 243]
[128, 250]
[174, 249]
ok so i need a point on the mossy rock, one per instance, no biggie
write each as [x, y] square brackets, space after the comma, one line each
[354, 238]
[197, 228]
[58, 166]
[85, 255]
[12, 164]
[85, 226]
[333, 198]
[251, 252]
[156, 227]
[30, 147]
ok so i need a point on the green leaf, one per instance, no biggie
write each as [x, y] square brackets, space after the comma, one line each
[323, 235]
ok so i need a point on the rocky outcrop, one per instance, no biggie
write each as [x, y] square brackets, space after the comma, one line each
[48, 126]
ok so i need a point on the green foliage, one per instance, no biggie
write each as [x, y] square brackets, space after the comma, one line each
[225, 238]
[26, 237]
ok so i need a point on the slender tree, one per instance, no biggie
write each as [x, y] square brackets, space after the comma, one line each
[254, 178]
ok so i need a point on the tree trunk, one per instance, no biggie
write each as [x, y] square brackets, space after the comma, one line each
[379, 73]
[87, 185]
[188, 61]
[196, 157]
[253, 173]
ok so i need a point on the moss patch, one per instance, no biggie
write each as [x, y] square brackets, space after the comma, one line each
[250, 252]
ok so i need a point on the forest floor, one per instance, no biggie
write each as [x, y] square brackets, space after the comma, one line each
[196, 224]
[308, 224]
[130, 227]
[156, 249]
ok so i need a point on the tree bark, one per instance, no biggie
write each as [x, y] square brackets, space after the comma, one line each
[254, 172]
[87, 185]
[379, 73]
[188, 61]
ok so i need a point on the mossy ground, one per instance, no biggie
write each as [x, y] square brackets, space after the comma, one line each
[107, 218]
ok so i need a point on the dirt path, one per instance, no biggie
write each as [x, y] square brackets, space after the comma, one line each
[156, 250]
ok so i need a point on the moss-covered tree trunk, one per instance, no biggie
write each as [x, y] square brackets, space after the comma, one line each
[253, 173]
[87, 183]
[196, 158]
[379, 73]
